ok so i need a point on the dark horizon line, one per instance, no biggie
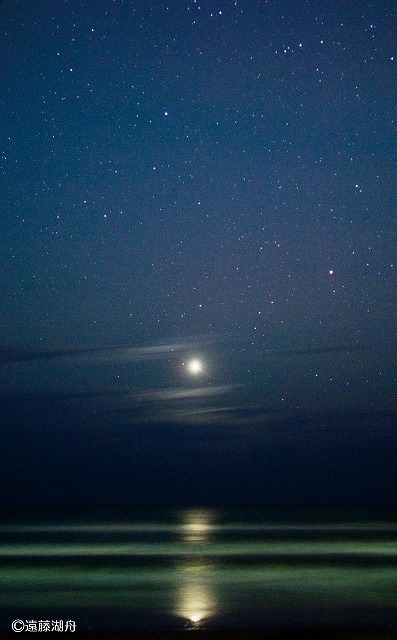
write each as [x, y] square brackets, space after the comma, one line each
[201, 505]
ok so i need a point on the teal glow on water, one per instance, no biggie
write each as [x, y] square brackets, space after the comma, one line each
[200, 568]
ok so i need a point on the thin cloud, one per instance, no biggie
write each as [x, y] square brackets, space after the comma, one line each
[13, 354]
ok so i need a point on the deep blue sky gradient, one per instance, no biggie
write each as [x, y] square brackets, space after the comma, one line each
[197, 178]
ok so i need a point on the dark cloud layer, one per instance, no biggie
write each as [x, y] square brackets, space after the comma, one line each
[71, 449]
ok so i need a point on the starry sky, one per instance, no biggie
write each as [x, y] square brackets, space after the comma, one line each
[209, 180]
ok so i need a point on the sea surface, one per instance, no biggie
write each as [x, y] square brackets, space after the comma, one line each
[199, 568]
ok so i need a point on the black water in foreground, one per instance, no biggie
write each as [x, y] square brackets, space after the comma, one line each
[199, 568]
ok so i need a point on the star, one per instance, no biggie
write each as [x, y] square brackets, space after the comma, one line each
[195, 366]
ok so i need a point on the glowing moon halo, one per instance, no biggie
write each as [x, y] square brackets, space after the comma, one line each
[195, 366]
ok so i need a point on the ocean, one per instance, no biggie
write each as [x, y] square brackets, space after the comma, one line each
[199, 568]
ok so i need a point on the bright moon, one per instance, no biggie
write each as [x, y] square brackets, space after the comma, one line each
[195, 366]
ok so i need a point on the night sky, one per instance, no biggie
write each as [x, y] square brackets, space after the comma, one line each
[207, 181]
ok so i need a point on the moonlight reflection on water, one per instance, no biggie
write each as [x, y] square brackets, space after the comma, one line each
[198, 568]
[195, 598]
